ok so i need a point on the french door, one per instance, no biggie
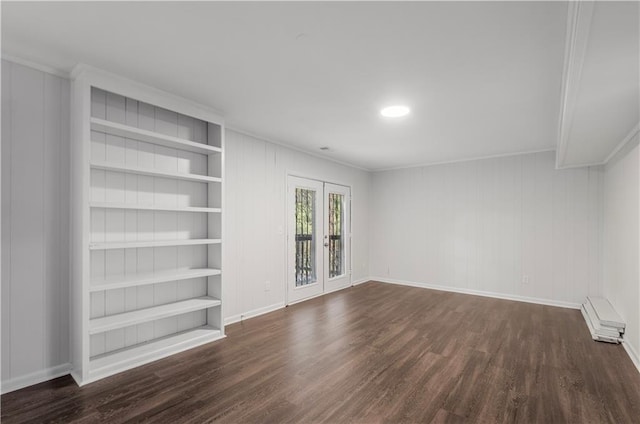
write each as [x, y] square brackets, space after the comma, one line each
[319, 238]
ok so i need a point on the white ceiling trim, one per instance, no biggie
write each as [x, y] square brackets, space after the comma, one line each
[37, 66]
[296, 148]
[635, 130]
[470, 159]
[579, 17]
[579, 165]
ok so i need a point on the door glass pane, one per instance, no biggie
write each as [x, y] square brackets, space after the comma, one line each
[305, 237]
[336, 235]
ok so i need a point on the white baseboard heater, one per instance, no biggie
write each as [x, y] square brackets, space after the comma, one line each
[603, 321]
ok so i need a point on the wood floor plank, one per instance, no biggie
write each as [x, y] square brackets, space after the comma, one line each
[375, 353]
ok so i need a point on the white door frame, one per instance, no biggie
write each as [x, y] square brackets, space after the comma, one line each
[291, 237]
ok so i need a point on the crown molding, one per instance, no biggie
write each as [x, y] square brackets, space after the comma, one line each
[579, 17]
[35, 65]
[580, 165]
[469, 159]
[295, 148]
[619, 147]
[635, 130]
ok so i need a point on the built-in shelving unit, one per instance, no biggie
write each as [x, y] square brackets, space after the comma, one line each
[148, 172]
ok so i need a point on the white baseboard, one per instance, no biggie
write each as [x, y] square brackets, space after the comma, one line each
[261, 311]
[517, 298]
[254, 313]
[635, 358]
[21, 382]
[361, 281]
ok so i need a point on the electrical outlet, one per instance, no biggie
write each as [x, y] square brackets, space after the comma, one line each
[526, 279]
[267, 286]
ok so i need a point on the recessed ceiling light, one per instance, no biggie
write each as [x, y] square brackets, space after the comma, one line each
[395, 111]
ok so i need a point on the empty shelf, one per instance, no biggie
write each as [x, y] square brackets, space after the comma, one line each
[155, 173]
[154, 349]
[153, 208]
[126, 319]
[146, 278]
[127, 131]
[160, 243]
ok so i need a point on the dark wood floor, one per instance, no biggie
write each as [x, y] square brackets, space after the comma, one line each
[373, 353]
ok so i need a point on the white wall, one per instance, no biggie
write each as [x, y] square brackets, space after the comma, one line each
[254, 250]
[35, 225]
[480, 226]
[621, 253]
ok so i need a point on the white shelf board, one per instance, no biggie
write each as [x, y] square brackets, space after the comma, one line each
[594, 334]
[160, 243]
[130, 132]
[146, 278]
[155, 349]
[605, 312]
[154, 172]
[126, 319]
[591, 315]
[153, 208]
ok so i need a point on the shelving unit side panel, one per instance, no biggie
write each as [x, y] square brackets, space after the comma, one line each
[220, 291]
[215, 133]
[80, 222]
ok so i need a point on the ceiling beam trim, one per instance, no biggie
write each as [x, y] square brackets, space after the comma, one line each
[635, 130]
[579, 17]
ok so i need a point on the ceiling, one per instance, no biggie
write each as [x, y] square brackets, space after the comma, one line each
[482, 78]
